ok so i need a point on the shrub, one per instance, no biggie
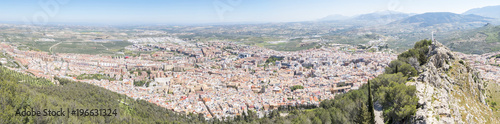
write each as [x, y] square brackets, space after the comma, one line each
[293, 88]
[419, 51]
[400, 66]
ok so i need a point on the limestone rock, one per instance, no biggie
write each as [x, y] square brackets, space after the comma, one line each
[448, 89]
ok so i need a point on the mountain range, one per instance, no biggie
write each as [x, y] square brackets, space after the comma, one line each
[478, 15]
[433, 18]
[380, 17]
[489, 11]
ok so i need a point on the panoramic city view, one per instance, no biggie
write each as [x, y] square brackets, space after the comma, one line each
[242, 61]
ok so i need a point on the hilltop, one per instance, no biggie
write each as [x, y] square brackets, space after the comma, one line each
[449, 90]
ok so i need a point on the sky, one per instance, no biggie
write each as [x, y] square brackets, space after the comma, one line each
[213, 11]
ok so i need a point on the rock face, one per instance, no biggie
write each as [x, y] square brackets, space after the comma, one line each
[449, 90]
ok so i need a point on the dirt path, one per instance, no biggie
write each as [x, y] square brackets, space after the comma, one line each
[50, 49]
[379, 118]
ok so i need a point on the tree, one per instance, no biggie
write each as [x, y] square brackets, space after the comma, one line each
[408, 70]
[325, 117]
[385, 79]
[419, 51]
[400, 66]
[274, 114]
[370, 104]
[338, 116]
[316, 120]
[296, 87]
[399, 101]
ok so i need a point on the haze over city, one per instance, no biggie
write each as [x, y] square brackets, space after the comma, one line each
[220, 11]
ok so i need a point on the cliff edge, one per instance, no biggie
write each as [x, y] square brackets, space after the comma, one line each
[449, 90]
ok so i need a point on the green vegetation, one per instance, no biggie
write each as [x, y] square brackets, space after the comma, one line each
[12, 64]
[10, 75]
[352, 39]
[114, 45]
[273, 59]
[136, 53]
[293, 88]
[484, 40]
[492, 37]
[141, 83]
[90, 47]
[341, 84]
[264, 39]
[493, 91]
[293, 45]
[419, 51]
[94, 76]
[496, 56]
[370, 103]
[466, 95]
[42, 46]
[20, 91]
[398, 100]
[400, 66]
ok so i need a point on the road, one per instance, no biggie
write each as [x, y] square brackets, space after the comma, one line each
[50, 49]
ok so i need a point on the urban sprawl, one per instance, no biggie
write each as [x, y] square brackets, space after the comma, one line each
[220, 79]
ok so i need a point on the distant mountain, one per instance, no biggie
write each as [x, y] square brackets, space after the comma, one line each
[489, 11]
[433, 18]
[375, 18]
[382, 16]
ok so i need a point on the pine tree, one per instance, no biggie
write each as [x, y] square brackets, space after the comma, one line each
[370, 104]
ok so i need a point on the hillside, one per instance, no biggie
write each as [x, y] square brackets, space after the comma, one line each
[489, 11]
[434, 18]
[484, 39]
[450, 90]
[21, 91]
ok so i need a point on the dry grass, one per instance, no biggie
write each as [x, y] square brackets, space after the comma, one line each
[468, 99]
[493, 97]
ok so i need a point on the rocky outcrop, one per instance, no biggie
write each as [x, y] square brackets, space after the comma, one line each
[449, 90]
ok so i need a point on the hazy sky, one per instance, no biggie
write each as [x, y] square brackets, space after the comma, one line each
[214, 11]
